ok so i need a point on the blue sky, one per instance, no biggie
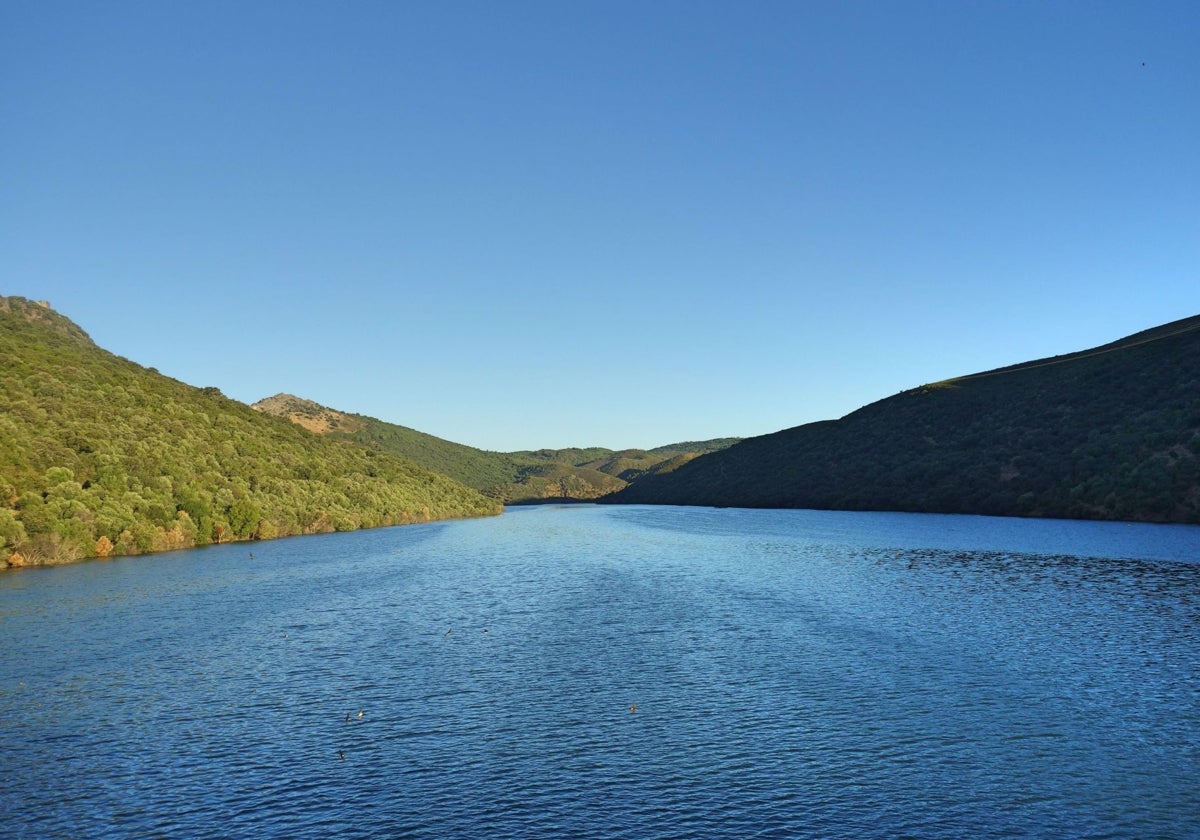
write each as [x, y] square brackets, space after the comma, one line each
[522, 225]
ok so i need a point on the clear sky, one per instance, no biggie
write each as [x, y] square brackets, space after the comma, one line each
[521, 225]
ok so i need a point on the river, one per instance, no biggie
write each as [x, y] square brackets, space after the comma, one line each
[615, 672]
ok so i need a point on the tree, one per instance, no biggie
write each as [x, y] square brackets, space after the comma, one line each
[12, 532]
[243, 517]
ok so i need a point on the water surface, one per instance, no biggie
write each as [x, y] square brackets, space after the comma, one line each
[795, 673]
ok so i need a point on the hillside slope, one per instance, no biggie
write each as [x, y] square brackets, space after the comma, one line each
[99, 455]
[475, 468]
[1107, 433]
[512, 477]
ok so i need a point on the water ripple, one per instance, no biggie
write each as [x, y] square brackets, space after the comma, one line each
[794, 674]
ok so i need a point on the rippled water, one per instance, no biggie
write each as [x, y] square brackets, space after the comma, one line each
[796, 674]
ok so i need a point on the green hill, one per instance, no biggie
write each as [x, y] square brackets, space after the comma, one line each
[473, 467]
[1107, 433]
[100, 456]
[576, 474]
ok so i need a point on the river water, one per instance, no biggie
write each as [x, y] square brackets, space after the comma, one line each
[795, 674]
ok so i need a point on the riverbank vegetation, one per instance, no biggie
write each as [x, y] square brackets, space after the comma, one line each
[100, 456]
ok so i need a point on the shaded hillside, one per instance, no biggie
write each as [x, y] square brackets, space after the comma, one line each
[513, 477]
[694, 447]
[99, 455]
[1107, 433]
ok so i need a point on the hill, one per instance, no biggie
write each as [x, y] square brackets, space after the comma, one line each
[475, 468]
[1107, 433]
[100, 456]
[575, 474]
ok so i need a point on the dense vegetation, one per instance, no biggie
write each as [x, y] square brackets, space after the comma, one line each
[512, 477]
[473, 467]
[1109, 433]
[101, 456]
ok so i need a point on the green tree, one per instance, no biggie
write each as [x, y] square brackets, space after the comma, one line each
[244, 516]
[12, 532]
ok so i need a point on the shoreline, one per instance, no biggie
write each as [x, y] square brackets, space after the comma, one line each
[24, 563]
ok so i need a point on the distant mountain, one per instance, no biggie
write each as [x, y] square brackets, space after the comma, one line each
[512, 477]
[101, 456]
[1107, 433]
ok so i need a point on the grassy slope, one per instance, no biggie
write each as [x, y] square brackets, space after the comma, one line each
[1108, 433]
[514, 477]
[94, 447]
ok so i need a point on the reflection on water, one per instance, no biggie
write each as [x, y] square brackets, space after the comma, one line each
[796, 673]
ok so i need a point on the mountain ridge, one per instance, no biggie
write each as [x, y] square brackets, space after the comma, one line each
[519, 477]
[100, 456]
[1111, 432]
